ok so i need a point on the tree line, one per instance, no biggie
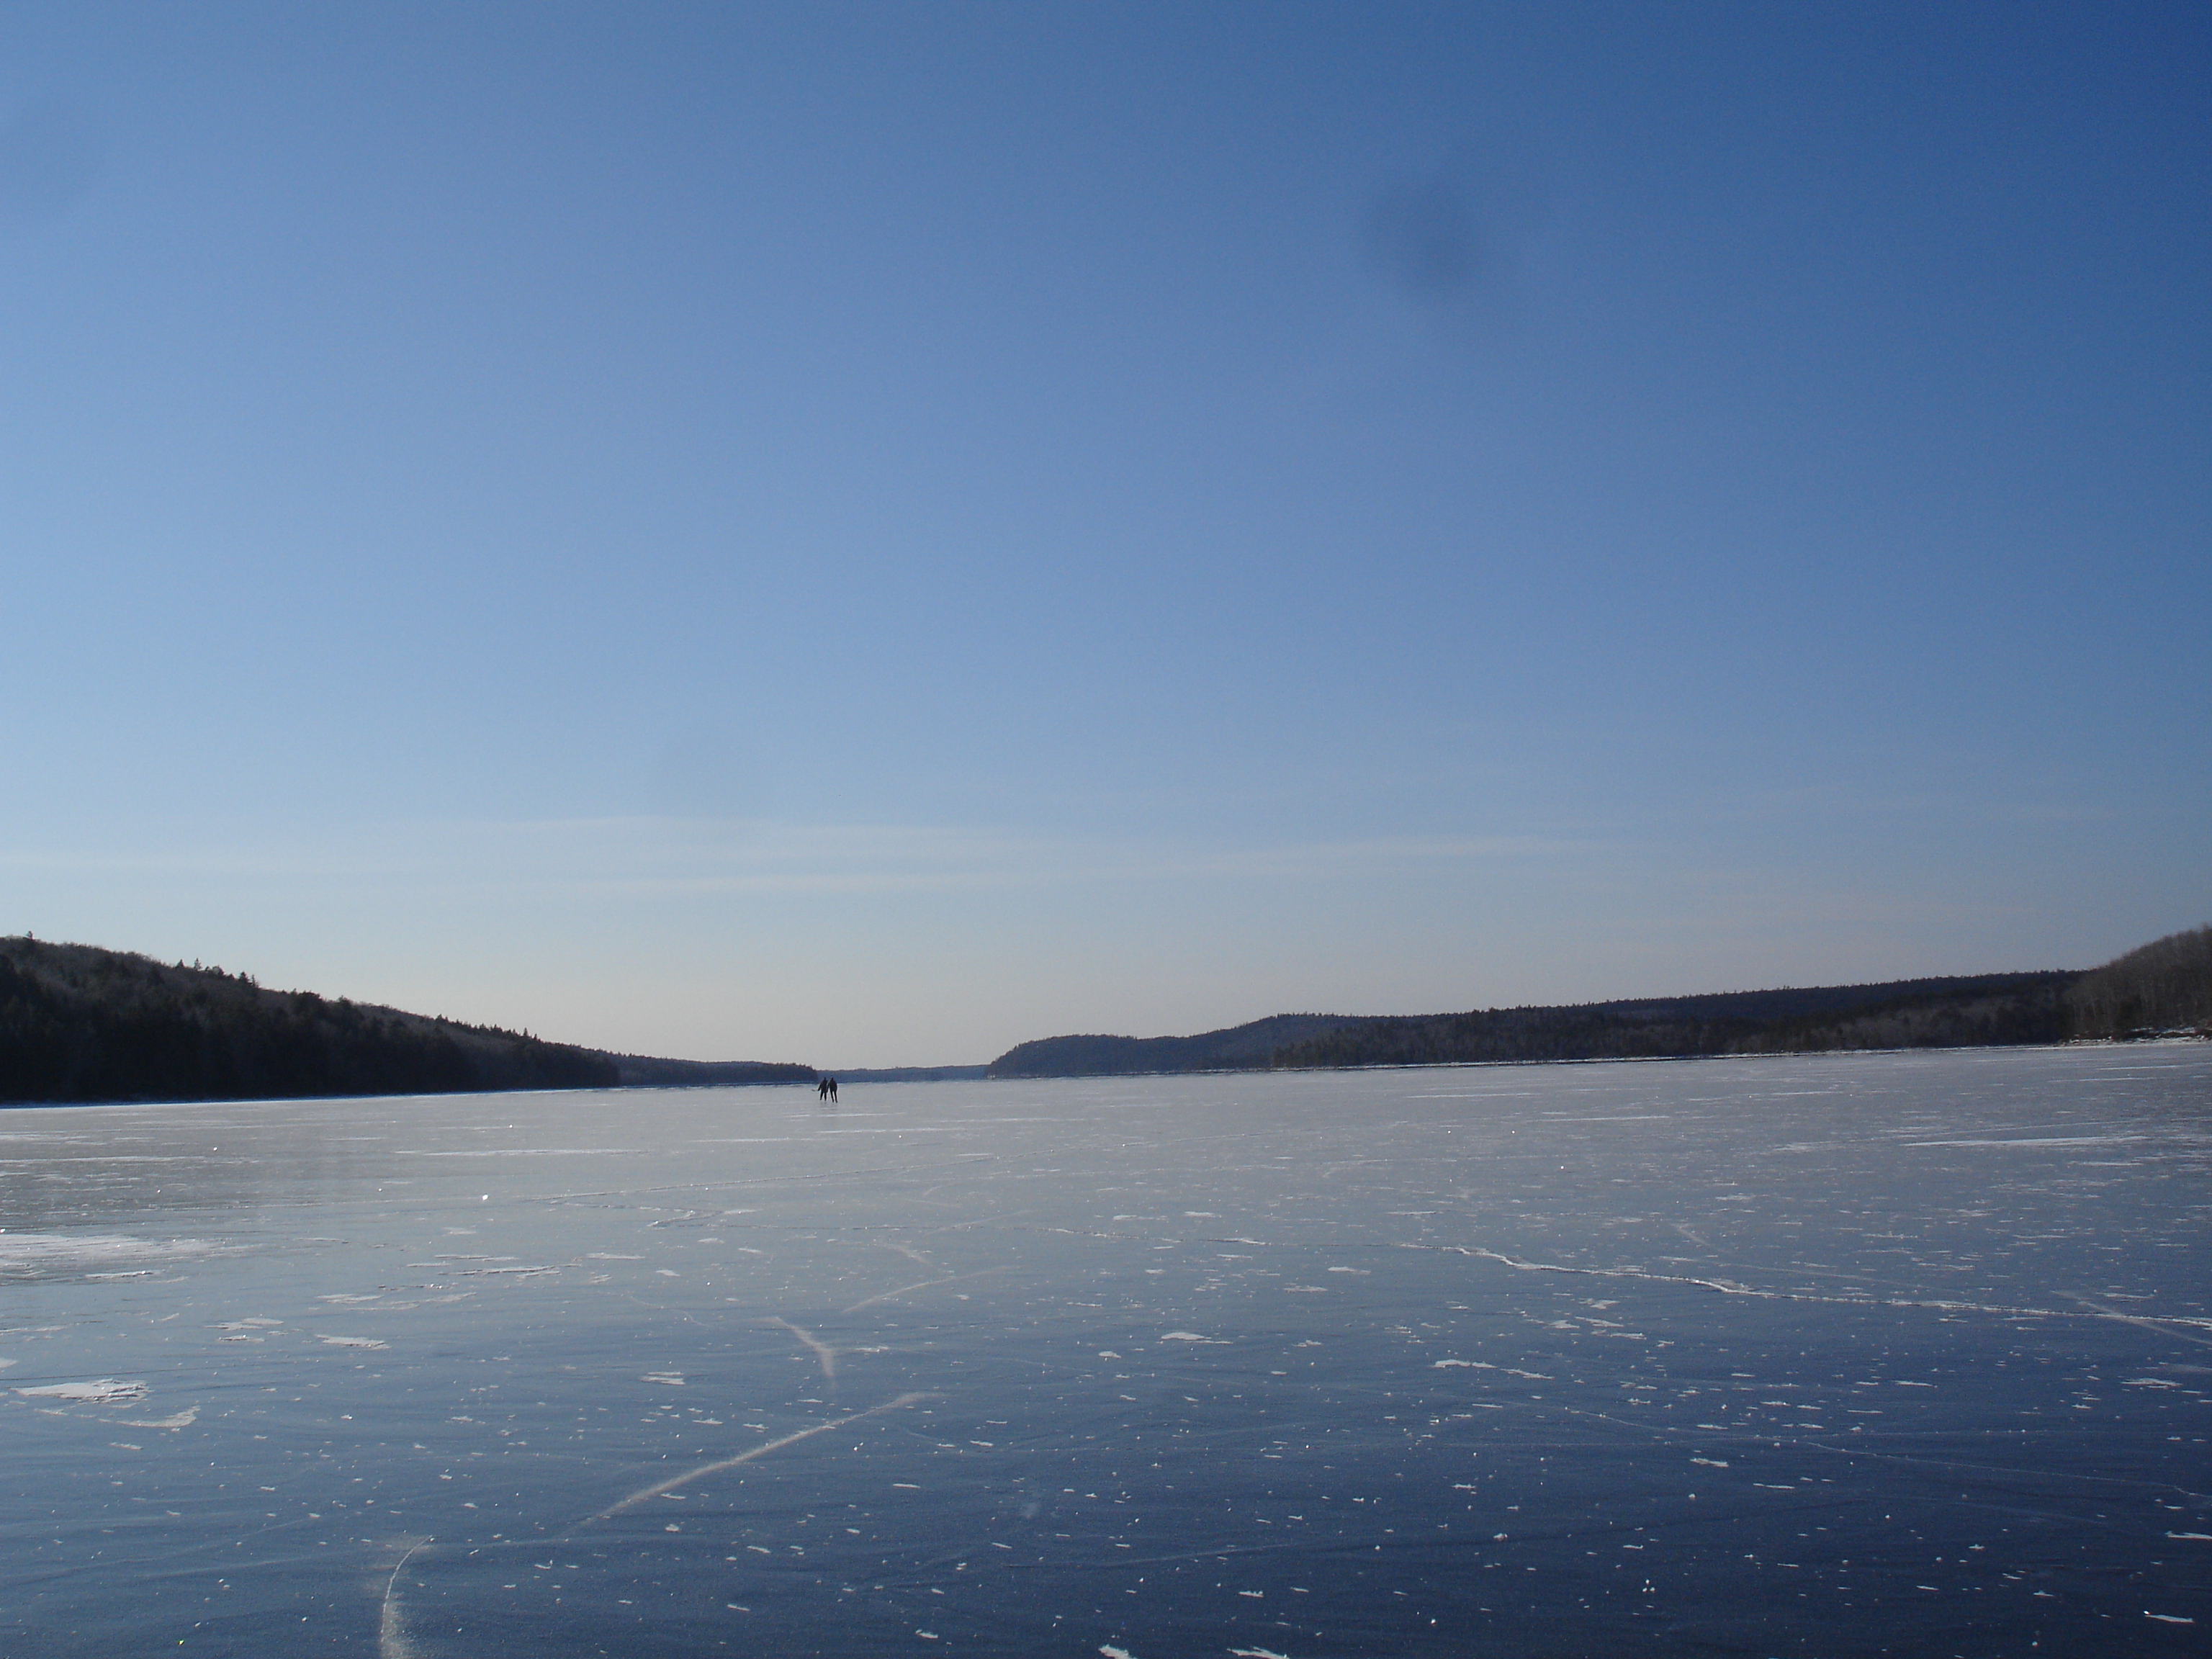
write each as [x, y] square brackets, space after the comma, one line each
[2001, 1008]
[81, 1023]
[2165, 987]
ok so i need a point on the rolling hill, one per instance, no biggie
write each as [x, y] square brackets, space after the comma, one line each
[81, 1023]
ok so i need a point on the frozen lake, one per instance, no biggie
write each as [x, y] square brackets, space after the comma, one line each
[1813, 1355]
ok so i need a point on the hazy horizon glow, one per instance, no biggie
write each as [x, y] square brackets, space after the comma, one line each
[866, 534]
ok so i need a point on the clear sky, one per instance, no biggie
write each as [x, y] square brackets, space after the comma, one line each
[866, 534]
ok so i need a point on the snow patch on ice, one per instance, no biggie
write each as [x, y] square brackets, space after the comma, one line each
[183, 1419]
[101, 1391]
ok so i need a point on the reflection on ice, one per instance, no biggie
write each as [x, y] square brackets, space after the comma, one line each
[1821, 1355]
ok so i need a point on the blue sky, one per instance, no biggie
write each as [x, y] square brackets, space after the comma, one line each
[870, 533]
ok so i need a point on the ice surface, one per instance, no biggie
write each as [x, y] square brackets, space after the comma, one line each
[1827, 1356]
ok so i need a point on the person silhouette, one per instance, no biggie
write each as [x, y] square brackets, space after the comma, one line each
[833, 1092]
[822, 1088]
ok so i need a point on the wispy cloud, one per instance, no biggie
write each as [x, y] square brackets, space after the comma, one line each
[648, 855]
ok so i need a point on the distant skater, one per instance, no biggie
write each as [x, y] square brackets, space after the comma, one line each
[833, 1092]
[822, 1088]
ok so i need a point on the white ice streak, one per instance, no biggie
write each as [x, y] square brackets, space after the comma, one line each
[2164, 1324]
[660, 1487]
[391, 1641]
[87, 1249]
[918, 1285]
[533, 1151]
[2044, 1140]
[822, 1352]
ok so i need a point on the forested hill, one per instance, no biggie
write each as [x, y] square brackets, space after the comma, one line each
[81, 1023]
[2164, 987]
[1237, 1047]
[1928, 1013]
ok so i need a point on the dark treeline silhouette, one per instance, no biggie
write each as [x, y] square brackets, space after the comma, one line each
[81, 1023]
[2164, 986]
[914, 1074]
[1990, 1008]
[646, 1071]
[1239, 1048]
